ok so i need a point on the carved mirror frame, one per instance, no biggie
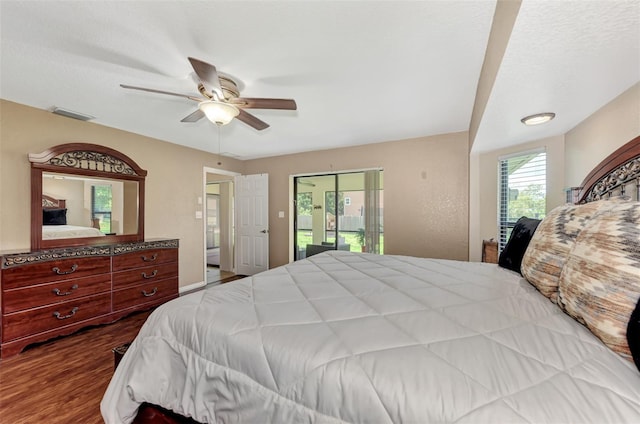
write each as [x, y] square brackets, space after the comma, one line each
[89, 160]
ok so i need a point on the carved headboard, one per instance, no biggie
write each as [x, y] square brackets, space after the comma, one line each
[49, 202]
[617, 175]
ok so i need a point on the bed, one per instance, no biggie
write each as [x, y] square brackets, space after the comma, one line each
[54, 220]
[356, 337]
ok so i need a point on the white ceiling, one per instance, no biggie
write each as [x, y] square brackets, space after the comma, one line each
[567, 57]
[360, 71]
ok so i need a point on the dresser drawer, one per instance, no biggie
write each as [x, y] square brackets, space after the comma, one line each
[144, 258]
[145, 274]
[45, 272]
[143, 293]
[32, 321]
[50, 293]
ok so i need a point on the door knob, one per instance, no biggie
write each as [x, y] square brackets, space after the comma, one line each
[264, 231]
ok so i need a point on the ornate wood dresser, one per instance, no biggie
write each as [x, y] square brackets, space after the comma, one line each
[49, 293]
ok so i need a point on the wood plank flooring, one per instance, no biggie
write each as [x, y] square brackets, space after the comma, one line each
[63, 381]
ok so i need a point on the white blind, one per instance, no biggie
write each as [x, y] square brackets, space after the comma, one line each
[522, 190]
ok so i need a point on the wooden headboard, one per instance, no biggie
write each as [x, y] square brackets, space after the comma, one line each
[617, 175]
[49, 202]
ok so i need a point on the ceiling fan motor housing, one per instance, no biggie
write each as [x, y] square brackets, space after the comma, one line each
[229, 89]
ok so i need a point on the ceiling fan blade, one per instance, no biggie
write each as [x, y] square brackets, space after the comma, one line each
[151, 90]
[208, 76]
[252, 121]
[193, 117]
[261, 103]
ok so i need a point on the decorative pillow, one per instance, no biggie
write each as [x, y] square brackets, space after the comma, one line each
[511, 256]
[633, 335]
[553, 240]
[600, 283]
[54, 217]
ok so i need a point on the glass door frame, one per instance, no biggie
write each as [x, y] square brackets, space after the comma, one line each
[296, 178]
[296, 249]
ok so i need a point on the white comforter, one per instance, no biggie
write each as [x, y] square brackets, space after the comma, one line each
[344, 337]
[50, 232]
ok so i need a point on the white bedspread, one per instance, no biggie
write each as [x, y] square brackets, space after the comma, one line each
[50, 232]
[349, 337]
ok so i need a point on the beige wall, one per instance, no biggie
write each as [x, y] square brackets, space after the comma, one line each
[599, 135]
[425, 192]
[173, 184]
[439, 202]
[570, 157]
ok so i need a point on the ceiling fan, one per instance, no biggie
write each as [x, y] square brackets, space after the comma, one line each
[221, 101]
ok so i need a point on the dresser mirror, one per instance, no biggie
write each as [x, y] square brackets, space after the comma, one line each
[85, 194]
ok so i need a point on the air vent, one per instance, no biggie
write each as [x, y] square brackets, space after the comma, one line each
[71, 114]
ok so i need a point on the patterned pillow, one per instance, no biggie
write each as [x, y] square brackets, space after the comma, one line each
[553, 240]
[600, 283]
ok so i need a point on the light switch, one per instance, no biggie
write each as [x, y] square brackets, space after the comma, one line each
[200, 200]
[198, 214]
[281, 214]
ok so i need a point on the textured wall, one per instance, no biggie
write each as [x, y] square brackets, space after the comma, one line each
[425, 192]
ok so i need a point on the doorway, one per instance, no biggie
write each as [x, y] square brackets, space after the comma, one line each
[341, 211]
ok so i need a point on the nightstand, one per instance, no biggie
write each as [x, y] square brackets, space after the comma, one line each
[490, 251]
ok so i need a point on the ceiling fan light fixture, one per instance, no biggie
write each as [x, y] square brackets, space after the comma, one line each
[220, 113]
[538, 118]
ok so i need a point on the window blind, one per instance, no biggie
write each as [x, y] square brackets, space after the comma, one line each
[522, 190]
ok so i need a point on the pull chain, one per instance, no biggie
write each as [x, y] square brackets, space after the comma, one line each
[219, 161]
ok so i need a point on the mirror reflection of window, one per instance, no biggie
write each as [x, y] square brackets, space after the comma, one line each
[101, 207]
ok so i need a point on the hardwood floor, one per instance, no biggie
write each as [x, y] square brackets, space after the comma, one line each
[62, 381]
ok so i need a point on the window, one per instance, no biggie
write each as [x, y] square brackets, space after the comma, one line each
[522, 190]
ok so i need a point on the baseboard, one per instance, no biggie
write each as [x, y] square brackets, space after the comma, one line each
[191, 287]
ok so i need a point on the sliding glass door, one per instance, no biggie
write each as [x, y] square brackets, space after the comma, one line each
[338, 211]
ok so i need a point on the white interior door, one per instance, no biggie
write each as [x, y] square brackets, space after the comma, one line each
[252, 223]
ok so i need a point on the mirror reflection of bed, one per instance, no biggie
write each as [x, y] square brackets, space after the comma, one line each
[79, 206]
[56, 223]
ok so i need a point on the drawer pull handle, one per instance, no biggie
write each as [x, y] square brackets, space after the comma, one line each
[57, 292]
[153, 292]
[57, 270]
[153, 274]
[150, 259]
[73, 312]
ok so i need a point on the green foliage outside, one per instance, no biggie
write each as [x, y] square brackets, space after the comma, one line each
[330, 202]
[351, 238]
[102, 198]
[305, 204]
[529, 202]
